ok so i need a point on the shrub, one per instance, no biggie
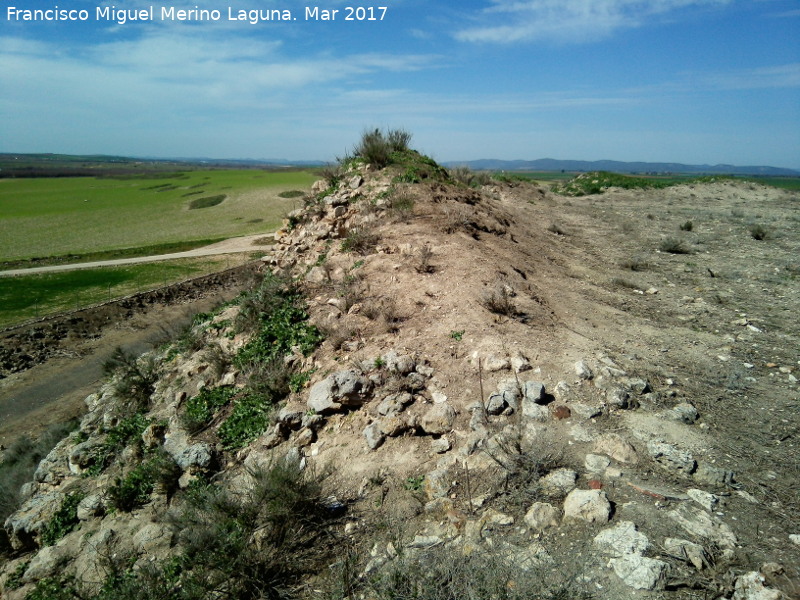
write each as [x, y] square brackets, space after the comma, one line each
[360, 240]
[635, 263]
[402, 206]
[499, 302]
[687, 226]
[64, 520]
[249, 419]
[466, 176]
[135, 488]
[673, 246]
[398, 139]
[376, 147]
[258, 542]
[200, 409]
[135, 378]
[758, 231]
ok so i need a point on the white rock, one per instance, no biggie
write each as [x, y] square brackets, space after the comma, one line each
[542, 515]
[699, 523]
[750, 586]
[560, 480]
[438, 397]
[795, 539]
[622, 539]
[520, 364]
[582, 370]
[639, 572]
[591, 506]
[596, 463]
[704, 499]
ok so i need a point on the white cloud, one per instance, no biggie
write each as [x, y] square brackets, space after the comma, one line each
[508, 21]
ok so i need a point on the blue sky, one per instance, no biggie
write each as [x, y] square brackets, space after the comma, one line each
[694, 81]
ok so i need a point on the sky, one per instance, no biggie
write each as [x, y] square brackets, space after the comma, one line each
[691, 81]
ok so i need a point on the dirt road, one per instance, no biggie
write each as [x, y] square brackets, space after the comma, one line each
[231, 246]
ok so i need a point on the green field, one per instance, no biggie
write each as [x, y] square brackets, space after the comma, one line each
[30, 296]
[56, 216]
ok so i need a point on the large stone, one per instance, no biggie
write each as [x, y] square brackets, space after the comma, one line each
[394, 404]
[374, 436]
[699, 523]
[622, 539]
[46, 563]
[343, 388]
[24, 526]
[91, 506]
[582, 370]
[198, 456]
[152, 538]
[439, 419]
[591, 506]
[711, 475]
[750, 586]
[560, 481]
[641, 573]
[672, 458]
[398, 363]
[617, 448]
[542, 515]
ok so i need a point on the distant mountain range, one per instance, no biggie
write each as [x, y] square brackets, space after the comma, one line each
[552, 164]
[31, 164]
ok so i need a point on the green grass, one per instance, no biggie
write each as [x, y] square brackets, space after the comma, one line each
[45, 217]
[30, 296]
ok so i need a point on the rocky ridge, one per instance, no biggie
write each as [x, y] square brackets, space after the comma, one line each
[452, 393]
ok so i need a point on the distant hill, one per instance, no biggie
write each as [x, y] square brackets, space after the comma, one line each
[552, 164]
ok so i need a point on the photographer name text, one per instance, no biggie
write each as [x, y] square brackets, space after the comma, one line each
[121, 16]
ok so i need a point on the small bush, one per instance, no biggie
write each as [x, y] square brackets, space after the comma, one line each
[466, 176]
[135, 378]
[758, 232]
[256, 543]
[402, 206]
[249, 419]
[687, 226]
[135, 488]
[673, 246]
[398, 139]
[200, 409]
[360, 240]
[635, 263]
[499, 302]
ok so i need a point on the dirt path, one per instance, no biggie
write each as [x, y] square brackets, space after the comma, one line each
[231, 246]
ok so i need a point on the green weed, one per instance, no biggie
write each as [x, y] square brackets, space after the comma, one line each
[64, 520]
